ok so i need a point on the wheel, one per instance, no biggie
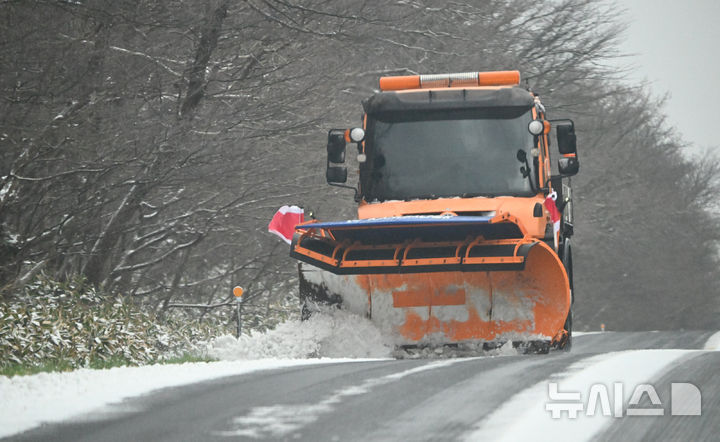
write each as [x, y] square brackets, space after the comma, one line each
[567, 262]
[566, 258]
[567, 344]
[538, 347]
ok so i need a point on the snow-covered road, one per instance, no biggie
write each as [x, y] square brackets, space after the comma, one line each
[500, 397]
[28, 401]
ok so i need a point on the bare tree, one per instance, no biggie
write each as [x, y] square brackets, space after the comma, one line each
[146, 144]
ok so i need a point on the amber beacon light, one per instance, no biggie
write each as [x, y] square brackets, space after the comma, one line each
[463, 79]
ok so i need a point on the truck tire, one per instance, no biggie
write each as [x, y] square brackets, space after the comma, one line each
[567, 262]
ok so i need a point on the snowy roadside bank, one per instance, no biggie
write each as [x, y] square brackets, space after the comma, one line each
[337, 334]
[29, 401]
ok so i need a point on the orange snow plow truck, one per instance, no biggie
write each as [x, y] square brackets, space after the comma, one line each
[463, 230]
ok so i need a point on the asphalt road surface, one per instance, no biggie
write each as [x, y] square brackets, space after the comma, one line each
[482, 398]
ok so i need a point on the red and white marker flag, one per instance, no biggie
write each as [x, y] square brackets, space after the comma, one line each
[284, 222]
[554, 215]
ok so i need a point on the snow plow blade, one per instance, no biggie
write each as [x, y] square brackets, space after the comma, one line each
[437, 280]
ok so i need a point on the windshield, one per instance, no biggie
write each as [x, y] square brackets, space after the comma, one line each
[433, 154]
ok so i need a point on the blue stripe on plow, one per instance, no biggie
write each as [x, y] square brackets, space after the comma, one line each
[395, 230]
[400, 221]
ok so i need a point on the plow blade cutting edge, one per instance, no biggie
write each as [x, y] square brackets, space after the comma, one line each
[437, 280]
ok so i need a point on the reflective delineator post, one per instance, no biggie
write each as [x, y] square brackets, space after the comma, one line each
[238, 292]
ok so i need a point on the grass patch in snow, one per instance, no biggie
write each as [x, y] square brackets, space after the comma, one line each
[15, 369]
[54, 326]
[98, 364]
[185, 358]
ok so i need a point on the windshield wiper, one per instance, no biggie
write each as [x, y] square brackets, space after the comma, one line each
[525, 170]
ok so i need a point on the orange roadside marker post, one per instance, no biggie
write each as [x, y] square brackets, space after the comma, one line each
[238, 292]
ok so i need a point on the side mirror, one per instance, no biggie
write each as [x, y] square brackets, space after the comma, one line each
[337, 174]
[567, 141]
[336, 146]
[336, 154]
[568, 166]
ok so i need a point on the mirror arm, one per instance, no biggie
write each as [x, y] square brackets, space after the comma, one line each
[562, 120]
[357, 194]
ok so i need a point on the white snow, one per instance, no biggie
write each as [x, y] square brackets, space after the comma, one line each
[580, 333]
[631, 368]
[278, 421]
[28, 401]
[327, 337]
[506, 349]
[336, 334]
[713, 343]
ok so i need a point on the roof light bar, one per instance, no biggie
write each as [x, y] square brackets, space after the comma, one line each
[464, 79]
[449, 80]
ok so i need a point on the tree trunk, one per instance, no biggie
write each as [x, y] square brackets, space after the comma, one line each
[209, 37]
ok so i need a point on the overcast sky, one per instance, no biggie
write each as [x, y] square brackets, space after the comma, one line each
[676, 43]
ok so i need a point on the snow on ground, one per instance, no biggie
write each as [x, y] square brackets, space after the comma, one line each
[328, 334]
[580, 333]
[28, 401]
[329, 337]
[628, 368]
[278, 421]
[713, 343]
